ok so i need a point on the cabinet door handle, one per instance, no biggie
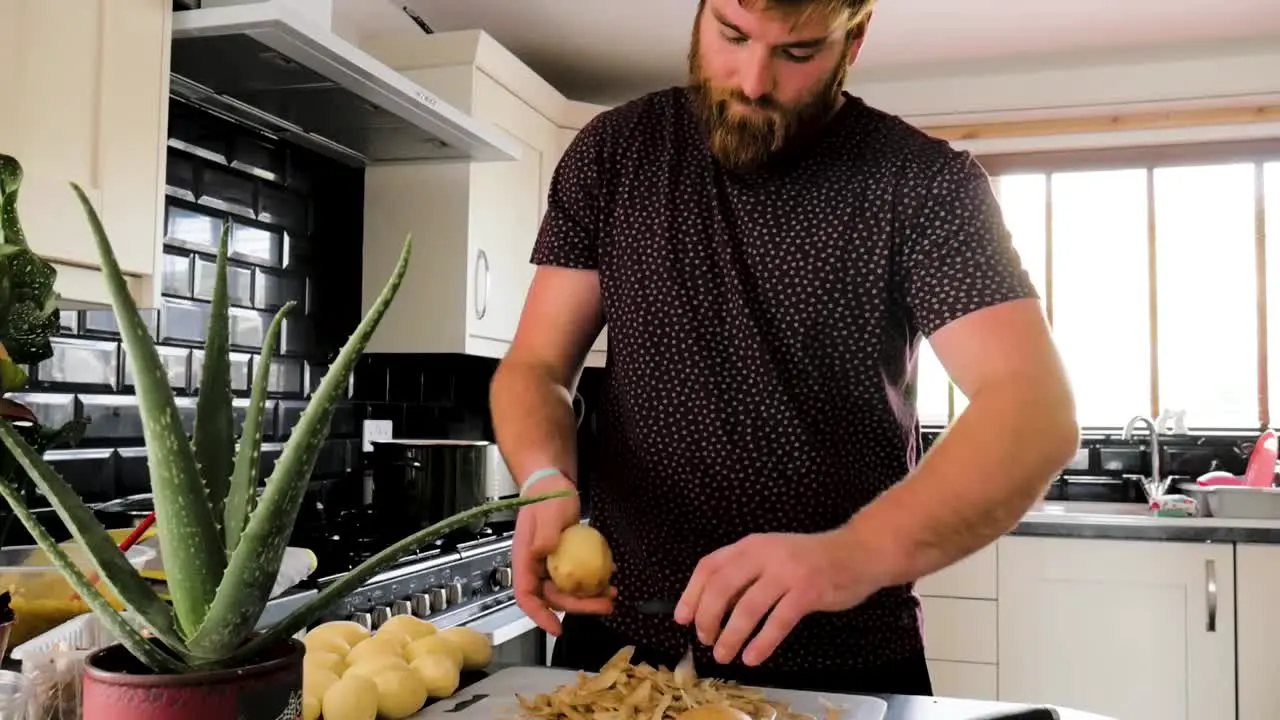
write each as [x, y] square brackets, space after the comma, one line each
[481, 287]
[1211, 596]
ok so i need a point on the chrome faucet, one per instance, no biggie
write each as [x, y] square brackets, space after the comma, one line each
[1157, 485]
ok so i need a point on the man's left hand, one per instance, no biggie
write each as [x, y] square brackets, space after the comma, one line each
[786, 576]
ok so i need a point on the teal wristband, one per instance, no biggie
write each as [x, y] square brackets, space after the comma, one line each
[535, 476]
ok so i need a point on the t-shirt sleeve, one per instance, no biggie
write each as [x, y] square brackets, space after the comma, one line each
[958, 253]
[570, 231]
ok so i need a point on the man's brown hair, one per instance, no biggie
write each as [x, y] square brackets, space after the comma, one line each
[854, 13]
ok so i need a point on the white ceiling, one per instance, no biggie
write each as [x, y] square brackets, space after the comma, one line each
[607, 50]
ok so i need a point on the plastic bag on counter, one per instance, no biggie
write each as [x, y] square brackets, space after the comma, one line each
[54, 678]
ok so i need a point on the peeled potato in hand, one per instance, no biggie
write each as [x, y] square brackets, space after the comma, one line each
[582, 562]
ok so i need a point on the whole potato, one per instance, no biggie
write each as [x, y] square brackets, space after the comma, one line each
[582, 563]
[353, 697]
[349, 632]
[475, 647]
[440, 675]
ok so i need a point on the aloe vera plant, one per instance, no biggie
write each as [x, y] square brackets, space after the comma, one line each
[222, 547]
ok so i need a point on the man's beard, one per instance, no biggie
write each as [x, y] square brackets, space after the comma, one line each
[745, 141]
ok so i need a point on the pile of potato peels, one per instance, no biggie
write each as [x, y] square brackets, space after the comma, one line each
[622, 691]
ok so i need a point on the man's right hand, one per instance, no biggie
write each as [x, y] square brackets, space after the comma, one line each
[538, 529]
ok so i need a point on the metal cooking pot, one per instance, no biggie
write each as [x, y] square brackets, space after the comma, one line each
[128, 511]
[417, 483]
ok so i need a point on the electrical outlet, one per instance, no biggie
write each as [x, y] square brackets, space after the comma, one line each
[371, 430]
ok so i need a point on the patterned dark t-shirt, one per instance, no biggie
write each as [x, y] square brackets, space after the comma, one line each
[763, 335]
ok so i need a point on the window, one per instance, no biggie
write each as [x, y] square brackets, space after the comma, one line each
[1157, 278]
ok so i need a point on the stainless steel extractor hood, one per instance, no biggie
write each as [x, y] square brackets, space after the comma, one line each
[278, 66]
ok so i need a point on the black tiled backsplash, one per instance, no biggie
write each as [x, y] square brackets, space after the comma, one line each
[296, 228]
[447, 396]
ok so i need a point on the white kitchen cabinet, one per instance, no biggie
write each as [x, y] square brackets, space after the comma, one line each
[473, 225]
[1122, 628]
[1258, 639]
[960, 620]
[86, 88]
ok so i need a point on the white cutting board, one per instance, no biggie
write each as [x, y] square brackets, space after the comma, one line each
[494, 698]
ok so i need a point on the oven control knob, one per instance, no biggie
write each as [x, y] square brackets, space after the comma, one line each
[401, 607]
[420, 604]
[501, 578]
[439, 600]
[455, 592]
[381, 614]
[363, 619]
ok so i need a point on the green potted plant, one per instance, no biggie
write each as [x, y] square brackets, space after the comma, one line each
[200, 657]
[28, 319]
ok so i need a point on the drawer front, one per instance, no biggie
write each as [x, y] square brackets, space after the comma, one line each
[974, 681]
[972, 577]
[960, 629]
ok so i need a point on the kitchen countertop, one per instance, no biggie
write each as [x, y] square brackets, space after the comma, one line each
[901, 707]
[1132, 521]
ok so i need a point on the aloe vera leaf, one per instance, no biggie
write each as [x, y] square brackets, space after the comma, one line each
[244, 479]
[214, 437]
[108, 560]
[194, 557]
[304, 615]
[252, 568]
[115, 622]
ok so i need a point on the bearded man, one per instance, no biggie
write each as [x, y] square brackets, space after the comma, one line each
[769, 253]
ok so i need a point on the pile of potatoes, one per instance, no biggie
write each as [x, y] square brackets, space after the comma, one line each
[351, 674]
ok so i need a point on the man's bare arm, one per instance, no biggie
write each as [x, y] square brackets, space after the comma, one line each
[997, 458]
[531, 395]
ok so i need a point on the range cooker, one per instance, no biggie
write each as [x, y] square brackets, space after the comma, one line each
[462, 579]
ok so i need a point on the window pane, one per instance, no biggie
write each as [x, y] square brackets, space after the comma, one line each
[960, 400]
[1206, 287]
[1022, 200]
[1271, 184]
[931, 400]
[1100, 307]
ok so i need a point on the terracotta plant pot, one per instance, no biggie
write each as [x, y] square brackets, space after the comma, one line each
[119, 687]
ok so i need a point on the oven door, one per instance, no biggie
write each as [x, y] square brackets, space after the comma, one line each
[516, 639]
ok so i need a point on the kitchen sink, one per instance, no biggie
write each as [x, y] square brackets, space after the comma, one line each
[1085, 508]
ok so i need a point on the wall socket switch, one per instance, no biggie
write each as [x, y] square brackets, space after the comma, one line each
[374, 430]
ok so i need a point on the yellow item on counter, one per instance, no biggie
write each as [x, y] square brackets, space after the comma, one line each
[41, 598]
